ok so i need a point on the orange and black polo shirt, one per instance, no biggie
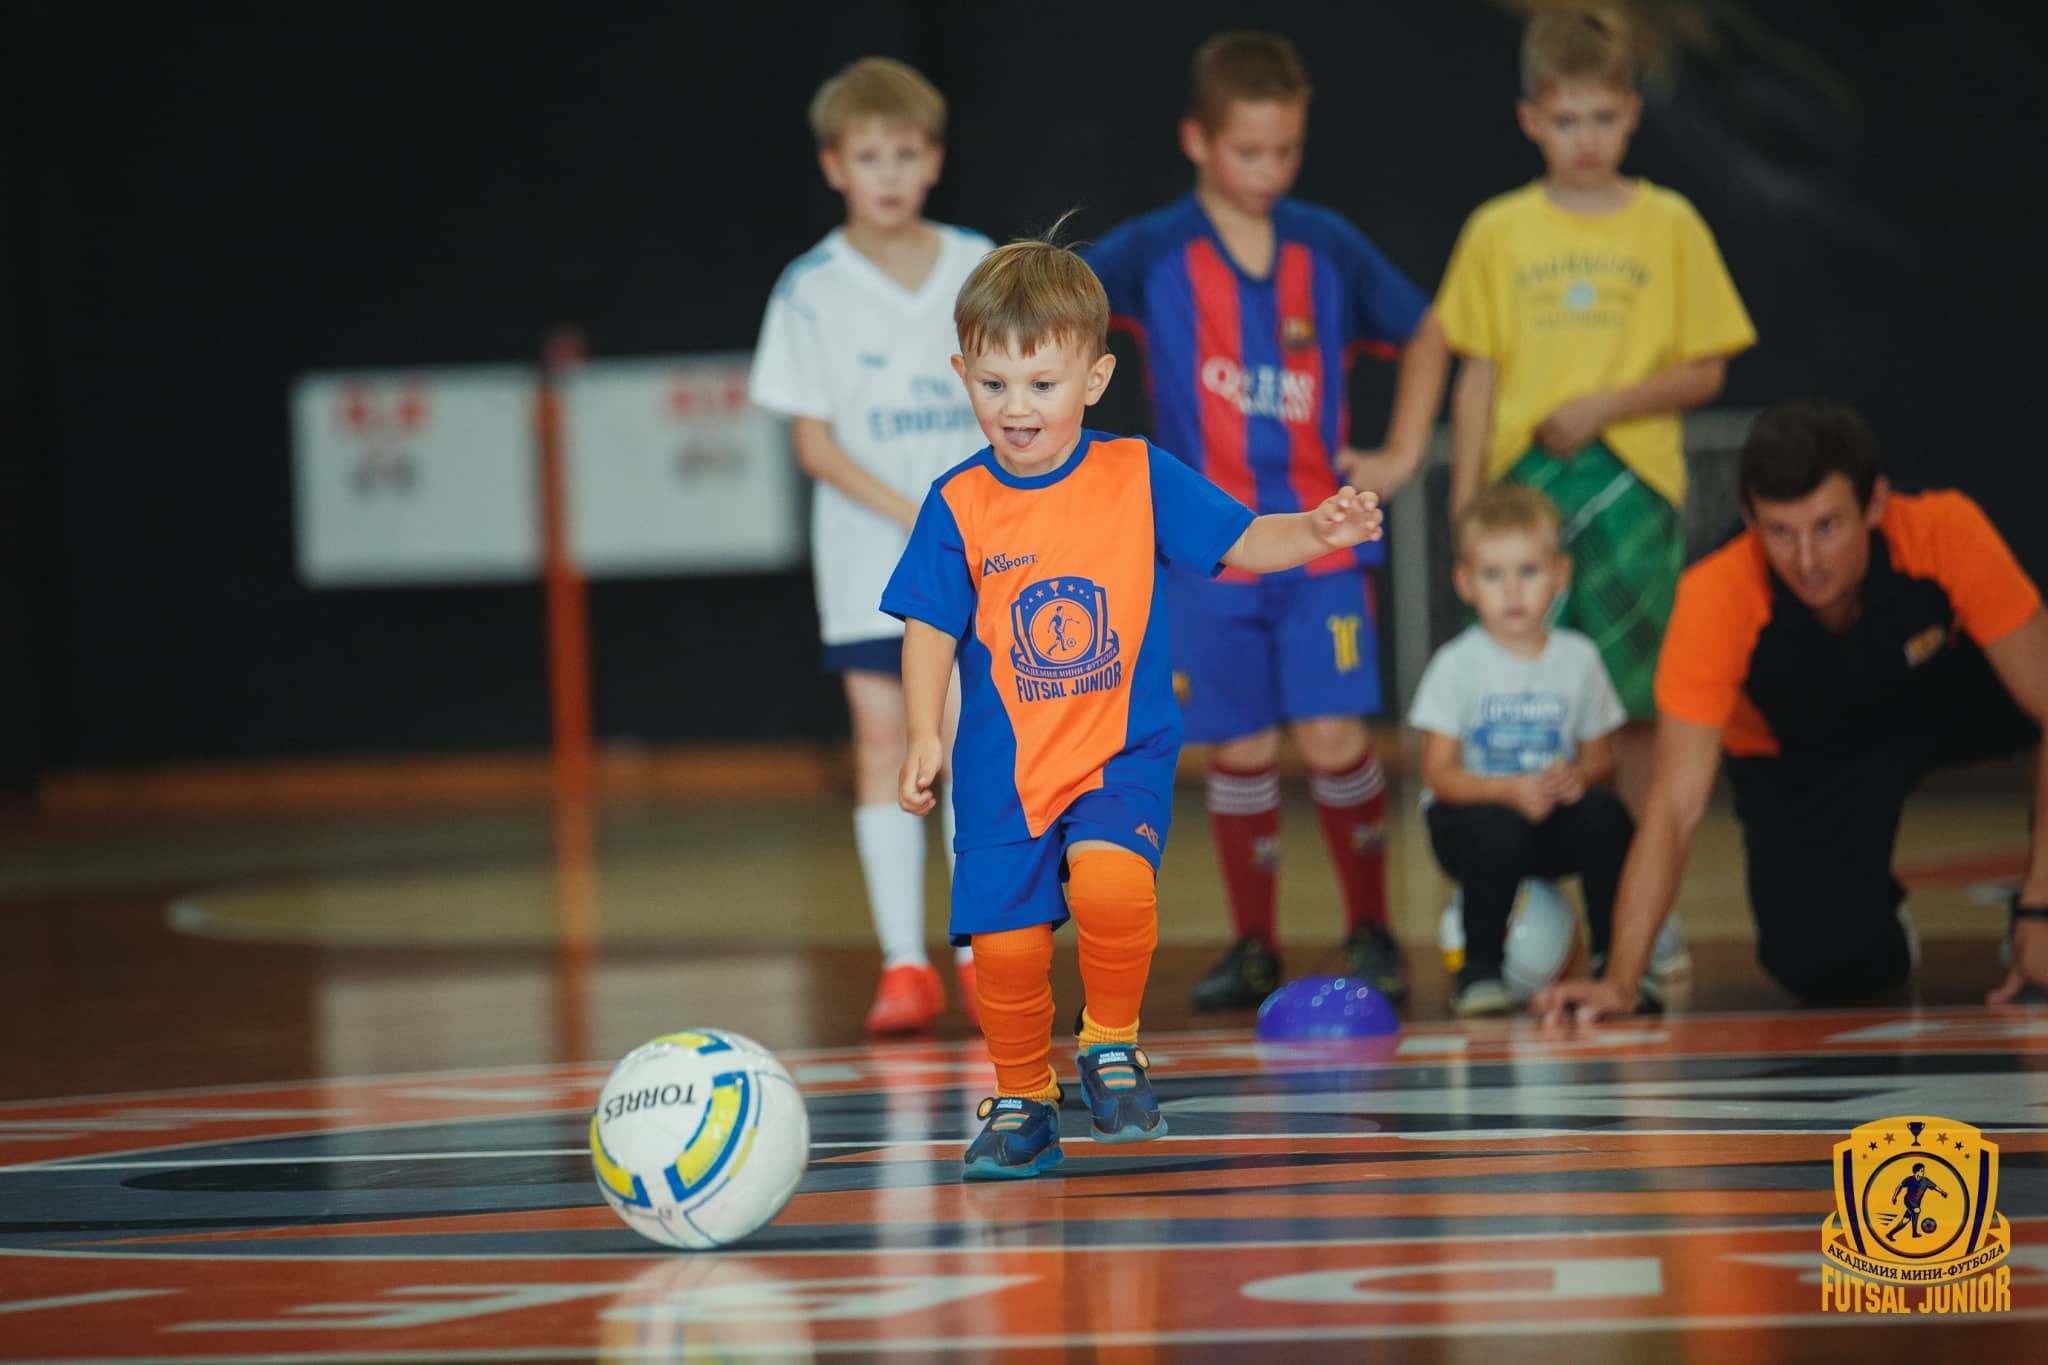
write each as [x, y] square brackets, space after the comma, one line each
[1742, 653]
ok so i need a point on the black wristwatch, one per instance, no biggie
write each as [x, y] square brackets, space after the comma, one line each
[2020, 911]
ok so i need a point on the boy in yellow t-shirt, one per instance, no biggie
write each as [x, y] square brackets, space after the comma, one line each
[1589, 310]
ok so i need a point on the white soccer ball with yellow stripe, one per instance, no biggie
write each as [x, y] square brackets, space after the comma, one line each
[699, 1138]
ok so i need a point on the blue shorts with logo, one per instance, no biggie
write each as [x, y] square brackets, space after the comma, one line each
[1014, 886]
[1248, 656]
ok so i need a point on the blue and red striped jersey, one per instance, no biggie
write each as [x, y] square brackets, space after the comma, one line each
[1248, 375]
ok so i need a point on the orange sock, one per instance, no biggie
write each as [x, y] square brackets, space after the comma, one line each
[1013, 987]
[1116, 914]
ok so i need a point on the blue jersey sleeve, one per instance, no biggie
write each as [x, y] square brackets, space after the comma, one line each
[1381, 304]
[931, 583]
[1194, 522]
[1119, 261]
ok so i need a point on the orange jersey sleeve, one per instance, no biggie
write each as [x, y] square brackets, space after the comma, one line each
[1723, 604]
[1945, 536]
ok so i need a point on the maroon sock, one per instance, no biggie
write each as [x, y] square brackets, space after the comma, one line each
[1244, 815]
[1353, 809]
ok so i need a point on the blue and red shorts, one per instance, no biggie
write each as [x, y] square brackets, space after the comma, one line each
[1249, 656]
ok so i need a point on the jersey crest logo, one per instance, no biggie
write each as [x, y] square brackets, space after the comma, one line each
[1298, 334]
[1925, 645]
[1062, 644]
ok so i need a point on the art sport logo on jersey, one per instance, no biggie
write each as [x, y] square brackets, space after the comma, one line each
[1915, 1227]
[1002, 563]
[1062, 645]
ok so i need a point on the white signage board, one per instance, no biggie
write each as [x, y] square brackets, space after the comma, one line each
[673, 471]
[432, 475]
[422, 476]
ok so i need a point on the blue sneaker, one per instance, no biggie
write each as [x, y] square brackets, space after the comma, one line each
[1021, 1138]
[1119, 1096]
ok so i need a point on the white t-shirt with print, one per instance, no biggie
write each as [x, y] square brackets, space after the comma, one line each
[844, 343]
[1513, 715]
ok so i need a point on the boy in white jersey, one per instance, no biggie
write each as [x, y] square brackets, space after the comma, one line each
[857, 348]
[1518, 724]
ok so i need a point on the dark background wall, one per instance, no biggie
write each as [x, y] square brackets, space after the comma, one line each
[204, 208]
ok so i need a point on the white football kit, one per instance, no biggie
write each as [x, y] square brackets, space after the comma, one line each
[844, 343]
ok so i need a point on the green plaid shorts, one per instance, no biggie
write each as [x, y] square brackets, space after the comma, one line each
[1627, 546]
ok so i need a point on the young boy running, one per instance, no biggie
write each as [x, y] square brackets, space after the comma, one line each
[1250, 306]
[855, 347]
[1036, 565]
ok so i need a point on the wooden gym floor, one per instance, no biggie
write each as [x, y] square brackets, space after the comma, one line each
[311, 1087]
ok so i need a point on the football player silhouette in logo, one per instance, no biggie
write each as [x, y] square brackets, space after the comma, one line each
[1915, 1187]
[1066, 632]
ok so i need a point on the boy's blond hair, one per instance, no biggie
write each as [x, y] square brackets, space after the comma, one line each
[1588, 44]
[1029, 293]
[1243, 65]
[877, 87]
[1508, 508]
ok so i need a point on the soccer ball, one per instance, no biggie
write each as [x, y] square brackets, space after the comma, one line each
[698, 1138]
[1543, 938]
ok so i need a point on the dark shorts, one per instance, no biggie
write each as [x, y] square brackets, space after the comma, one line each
[1249, 656]
[1818, 831]
[884, 655]
[1014, 886]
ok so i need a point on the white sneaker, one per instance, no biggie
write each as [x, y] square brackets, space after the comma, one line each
[1482, 997]
[1669, 959]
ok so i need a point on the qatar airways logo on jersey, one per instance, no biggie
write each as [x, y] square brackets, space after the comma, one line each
[1262, 390]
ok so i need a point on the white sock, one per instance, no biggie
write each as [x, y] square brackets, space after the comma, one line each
[964, 953]
[891, 842]
[946, 813]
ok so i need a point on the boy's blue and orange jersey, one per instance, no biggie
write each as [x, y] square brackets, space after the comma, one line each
[1052, 586]
[1248, 376]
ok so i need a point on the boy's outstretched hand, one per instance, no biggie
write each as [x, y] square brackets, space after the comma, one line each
[920, 770]
[1346, 518]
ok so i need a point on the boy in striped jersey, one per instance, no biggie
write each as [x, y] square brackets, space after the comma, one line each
[1250, 306]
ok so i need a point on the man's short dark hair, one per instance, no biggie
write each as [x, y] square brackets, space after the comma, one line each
[1794, 446]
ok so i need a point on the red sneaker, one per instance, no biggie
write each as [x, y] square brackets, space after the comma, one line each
[908, 999]
[963, 972]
